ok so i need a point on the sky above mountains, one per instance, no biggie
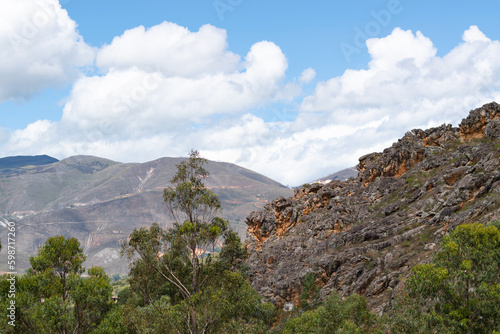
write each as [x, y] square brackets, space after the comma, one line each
[289, 89]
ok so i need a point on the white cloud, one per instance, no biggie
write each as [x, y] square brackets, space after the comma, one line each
[158, 85]
[160, 88]
[39, 48]
[170, 49]
[307, 75]
[406, 83]
[4, 135]
[405, 86]
[34, 136]
[473, 34]
[137, 111]
[292, 156]
[400, 50]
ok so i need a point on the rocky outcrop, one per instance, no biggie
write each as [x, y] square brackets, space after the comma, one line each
[363, 235]
[482, 122]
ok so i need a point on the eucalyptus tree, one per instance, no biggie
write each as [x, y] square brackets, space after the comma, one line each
[183, 254]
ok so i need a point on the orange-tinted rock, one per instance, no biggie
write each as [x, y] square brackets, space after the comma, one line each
[363, 235]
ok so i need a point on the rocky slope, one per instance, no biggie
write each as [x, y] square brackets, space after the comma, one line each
[363, 235]
[100, 202]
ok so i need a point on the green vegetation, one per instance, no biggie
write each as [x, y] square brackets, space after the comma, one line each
[336, 316]
[416, 179]
[54, 297]
[460, 291]
[75, 190]
[310, 292]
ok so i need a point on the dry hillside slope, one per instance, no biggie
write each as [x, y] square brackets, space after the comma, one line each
[100, 202]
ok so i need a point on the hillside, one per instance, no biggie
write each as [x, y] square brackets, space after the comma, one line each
[341, 175]
[100, 202]
[12, 165]
[363, 235]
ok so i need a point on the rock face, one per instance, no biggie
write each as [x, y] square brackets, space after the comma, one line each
[363, 235]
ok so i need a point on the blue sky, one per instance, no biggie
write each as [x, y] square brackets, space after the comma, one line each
[294, 90]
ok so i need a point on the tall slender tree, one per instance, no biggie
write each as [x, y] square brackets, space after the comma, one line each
[181, 254]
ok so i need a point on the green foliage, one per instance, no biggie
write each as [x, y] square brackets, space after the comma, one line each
[416, 179]
[226, 305]
[148, 284]
[63, 257]
[92, 298]
[53, 298]
[232, 254]
[460, 291]
[310, 292]
[190, 203]
[495, 223]
[336, 316]
[113, 323]
[120, 286]
[157, 317]
[307, 323]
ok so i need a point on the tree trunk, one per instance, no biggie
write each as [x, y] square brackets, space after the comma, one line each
[194, 287]
[194, 324]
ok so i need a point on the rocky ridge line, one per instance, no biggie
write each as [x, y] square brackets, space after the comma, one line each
[363, 235]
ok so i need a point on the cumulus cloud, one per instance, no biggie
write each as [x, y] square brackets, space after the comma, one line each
[473, 34]
[405, 86]
[290, 155]
[34, 136]
[171, 49]
[39, 48]
[163, 83]
[166, 78]
[140, 109]
[307, 75]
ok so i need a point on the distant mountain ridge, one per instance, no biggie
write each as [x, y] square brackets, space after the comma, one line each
[21, 161]
[100, 201]
[341, 175]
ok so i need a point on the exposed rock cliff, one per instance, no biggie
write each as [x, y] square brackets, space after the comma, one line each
[364, 235]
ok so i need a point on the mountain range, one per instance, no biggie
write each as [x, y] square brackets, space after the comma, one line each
[100, 201]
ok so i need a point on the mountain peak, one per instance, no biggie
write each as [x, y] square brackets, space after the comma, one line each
[86, 159]
[26, 160]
